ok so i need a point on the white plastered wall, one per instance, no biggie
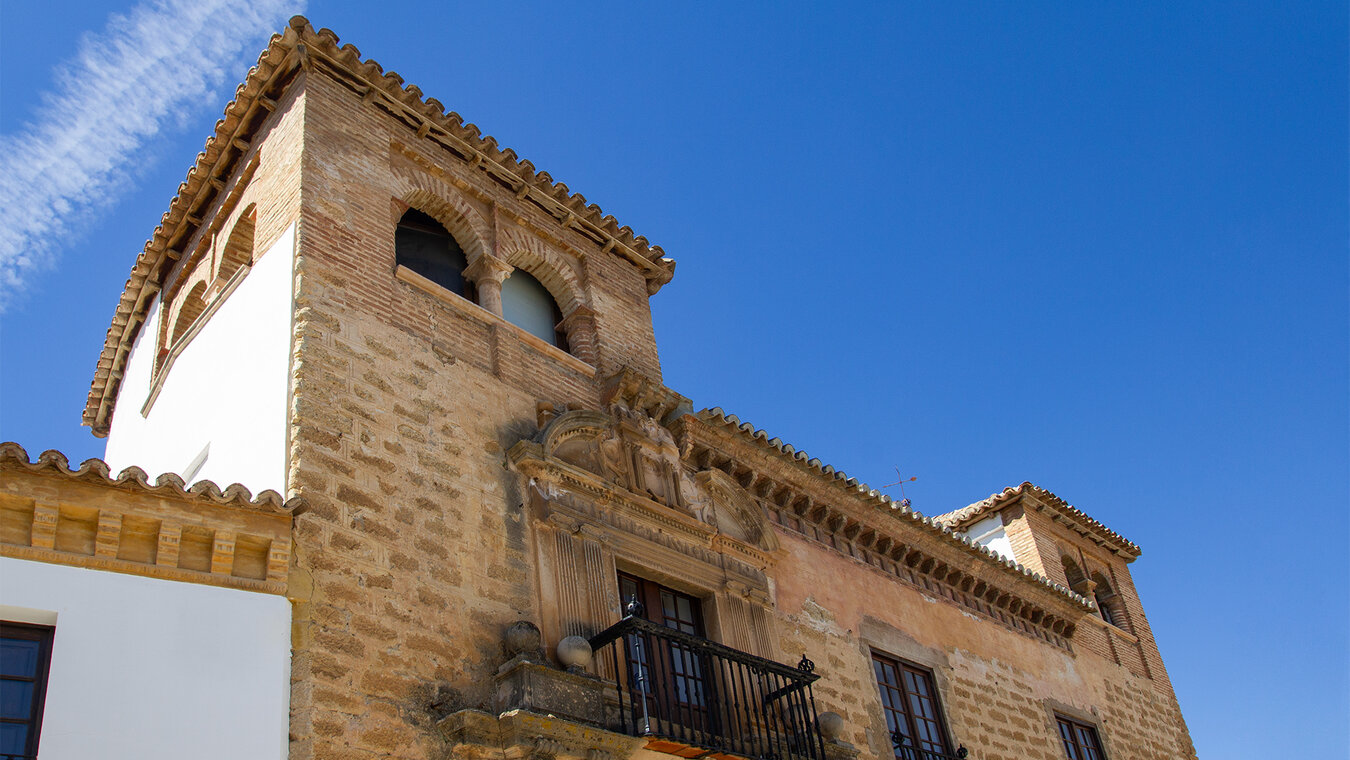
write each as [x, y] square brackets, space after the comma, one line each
[149, 669]
[226, 393]
[991, 534]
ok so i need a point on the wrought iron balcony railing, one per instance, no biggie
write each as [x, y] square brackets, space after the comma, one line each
[682, 690]
[905, 750]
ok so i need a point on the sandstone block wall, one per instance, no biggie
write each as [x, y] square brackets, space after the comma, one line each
[414, 556]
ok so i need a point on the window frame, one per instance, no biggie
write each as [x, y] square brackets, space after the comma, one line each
[419, 222]
[45, 635]
[559, 338]
[939, 717]
[1078, 728]
[650, 594]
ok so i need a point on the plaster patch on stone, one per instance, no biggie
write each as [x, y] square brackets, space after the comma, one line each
[818, 618]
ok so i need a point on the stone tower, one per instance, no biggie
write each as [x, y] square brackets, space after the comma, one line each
[359, 299]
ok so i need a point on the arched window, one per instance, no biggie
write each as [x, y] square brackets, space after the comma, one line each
[1076, 578]
[1108, 602]
[192, 307]
[527, 304]
[238, 251]
[423, 245]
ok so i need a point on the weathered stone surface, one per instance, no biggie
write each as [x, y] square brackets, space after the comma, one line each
[533, 687]
[463, 475]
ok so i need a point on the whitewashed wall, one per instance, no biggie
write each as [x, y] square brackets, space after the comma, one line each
[148, 669]
[991, 534]
[227, 390]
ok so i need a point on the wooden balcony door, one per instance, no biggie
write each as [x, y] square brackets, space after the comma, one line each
[672, 677]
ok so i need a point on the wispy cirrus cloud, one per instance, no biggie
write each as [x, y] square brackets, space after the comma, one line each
[124, 85]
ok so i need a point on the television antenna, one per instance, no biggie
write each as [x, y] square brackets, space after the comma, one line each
[901, 480]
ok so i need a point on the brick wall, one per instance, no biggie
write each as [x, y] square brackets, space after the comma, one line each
[414, 557]
[999, 688]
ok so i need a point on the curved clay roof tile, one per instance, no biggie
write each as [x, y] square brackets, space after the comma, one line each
[96, 471]
[718, 416]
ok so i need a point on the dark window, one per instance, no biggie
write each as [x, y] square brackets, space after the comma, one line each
[25, 654]
[424, 246]
[663, 605]
[913, 714]
[1080, 739]
[670, 673]
[1104, 607]
[527, 304]
[1108, 602]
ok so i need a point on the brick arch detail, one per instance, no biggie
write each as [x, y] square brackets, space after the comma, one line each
[439, 201]
[189, 308]
[238, 251]
[552, 268]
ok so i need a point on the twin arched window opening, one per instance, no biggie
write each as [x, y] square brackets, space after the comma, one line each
[1109, 603]
[423, 245]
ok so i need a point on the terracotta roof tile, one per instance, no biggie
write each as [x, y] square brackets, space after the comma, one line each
[882, 502]
[282, 57]
[135, 479]
[967, 515]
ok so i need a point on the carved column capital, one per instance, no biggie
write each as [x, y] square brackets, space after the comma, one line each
[487, 273]
[579, 326]
[488, 267]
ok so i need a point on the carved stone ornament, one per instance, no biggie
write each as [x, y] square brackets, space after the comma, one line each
[523, 639]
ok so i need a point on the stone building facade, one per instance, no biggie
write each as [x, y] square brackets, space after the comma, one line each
[486, 499]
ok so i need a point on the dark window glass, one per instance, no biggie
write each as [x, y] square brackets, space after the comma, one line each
[670, 672]
[1079, 739]
[424, 246]
[25, 654]
[527, 304]
[910, 702]
[1104, 608]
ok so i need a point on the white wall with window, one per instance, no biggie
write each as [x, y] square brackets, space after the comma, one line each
[149, 669]
[221, 407]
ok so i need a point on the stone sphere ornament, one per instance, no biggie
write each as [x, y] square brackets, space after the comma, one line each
[522, 637]
[830, 725]
[574, 652]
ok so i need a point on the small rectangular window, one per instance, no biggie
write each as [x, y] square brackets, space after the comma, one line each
[1080, 739]
[25, 656]
[913, 715]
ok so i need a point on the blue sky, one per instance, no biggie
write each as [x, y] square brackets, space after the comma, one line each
[1101, 248]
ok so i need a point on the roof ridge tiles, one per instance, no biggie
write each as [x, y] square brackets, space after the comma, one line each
[96, 470]
[967, 513]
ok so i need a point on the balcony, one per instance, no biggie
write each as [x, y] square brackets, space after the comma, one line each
[692, 697]
[905, 750]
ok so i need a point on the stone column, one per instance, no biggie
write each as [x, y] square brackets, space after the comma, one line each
[579, 325]
[487, 273]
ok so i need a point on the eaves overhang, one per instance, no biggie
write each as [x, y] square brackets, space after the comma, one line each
[1016, 575]
[301, 47]
[96, 472]
[1061, 512]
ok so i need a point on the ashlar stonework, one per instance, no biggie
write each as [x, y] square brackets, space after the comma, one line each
[462, 476]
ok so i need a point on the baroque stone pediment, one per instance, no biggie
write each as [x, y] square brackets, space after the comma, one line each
[623, 468]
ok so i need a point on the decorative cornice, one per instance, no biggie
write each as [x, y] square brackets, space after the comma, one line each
[876, 530]
[874, 498]
[86, 518]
